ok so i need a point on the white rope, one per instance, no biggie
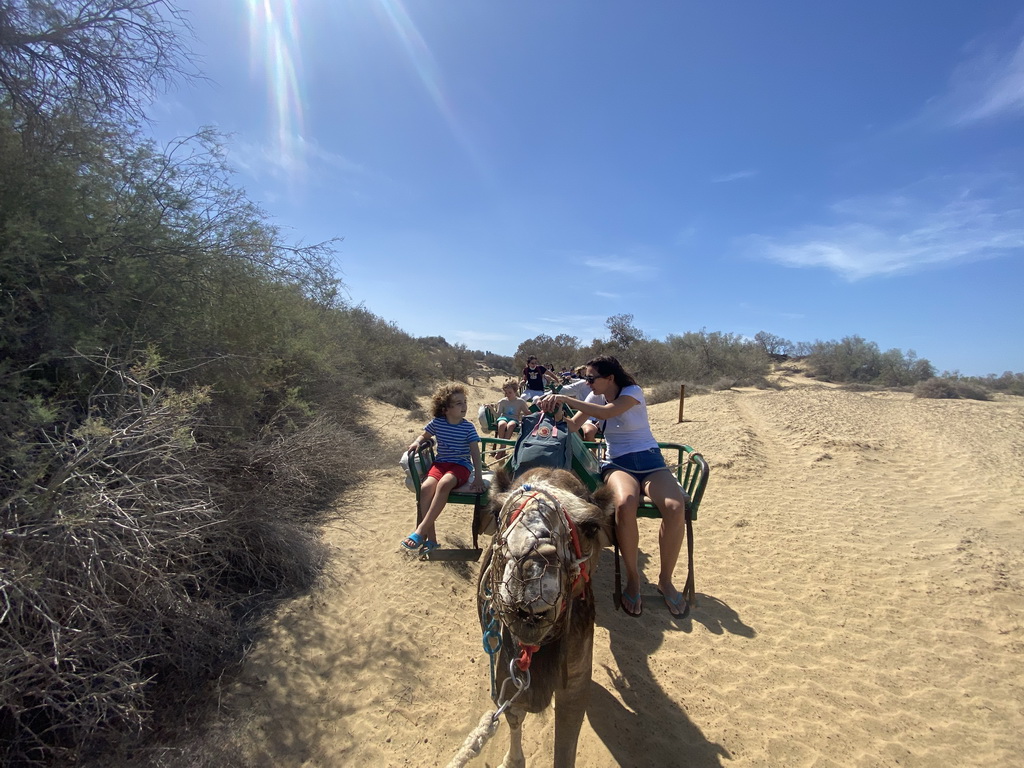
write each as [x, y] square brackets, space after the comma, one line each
[475, 741]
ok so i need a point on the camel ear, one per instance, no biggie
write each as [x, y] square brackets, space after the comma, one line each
[604, 498]
[500, 486]
[502, 480]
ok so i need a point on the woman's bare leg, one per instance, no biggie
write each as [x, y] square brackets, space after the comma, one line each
[626, 492]
[665, 492]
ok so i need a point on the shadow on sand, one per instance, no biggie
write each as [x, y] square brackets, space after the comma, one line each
[647, 714]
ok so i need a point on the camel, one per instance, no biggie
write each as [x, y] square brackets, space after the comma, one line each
[534, 586]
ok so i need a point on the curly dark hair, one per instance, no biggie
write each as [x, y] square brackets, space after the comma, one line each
[443, 395]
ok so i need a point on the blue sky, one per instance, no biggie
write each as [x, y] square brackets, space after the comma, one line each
[504, 169]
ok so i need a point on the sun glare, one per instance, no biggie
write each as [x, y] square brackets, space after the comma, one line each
[275, 47]
[273, 43]
[425, 66]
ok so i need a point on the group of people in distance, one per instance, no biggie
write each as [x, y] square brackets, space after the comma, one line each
[611, 401]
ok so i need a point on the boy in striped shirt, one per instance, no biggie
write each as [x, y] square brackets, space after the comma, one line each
[458, 454]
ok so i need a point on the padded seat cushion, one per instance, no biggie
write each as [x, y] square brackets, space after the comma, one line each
[488, 478]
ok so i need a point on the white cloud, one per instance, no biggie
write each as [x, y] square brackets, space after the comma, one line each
[289, 160]
[584, 327]
[907, 232]
[988, 85]
[734, 176]
[619, 265]
[483, 340]
[685, 235]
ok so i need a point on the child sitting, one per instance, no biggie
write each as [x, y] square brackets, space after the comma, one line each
[511, 410]
[458, 453]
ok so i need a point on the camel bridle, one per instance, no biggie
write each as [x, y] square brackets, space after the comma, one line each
[527, 626]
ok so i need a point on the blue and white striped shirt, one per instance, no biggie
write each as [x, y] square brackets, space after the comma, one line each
[453, 440]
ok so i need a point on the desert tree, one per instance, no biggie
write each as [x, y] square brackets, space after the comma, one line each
[89, 57]
[562, 349]
[771, 344]
[623, 332]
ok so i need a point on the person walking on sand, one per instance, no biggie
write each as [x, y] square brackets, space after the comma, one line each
[634, 466]
[458, 454]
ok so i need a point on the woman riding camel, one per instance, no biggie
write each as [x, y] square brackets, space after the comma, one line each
[635, 466]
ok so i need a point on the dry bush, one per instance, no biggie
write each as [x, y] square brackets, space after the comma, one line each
[275, 493]
[857, 386]
[136, 565]
[400, 393]
[757, 382]
[102, 593]
[662, 392]
[942, 388]
[667, 391]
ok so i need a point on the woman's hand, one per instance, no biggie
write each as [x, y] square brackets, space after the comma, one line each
[549, 403]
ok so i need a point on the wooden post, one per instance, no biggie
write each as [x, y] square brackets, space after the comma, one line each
[682, 396]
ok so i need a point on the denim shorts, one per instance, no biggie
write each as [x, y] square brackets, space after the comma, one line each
[639, 465]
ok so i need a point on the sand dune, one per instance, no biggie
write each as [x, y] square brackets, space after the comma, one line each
[859, 576]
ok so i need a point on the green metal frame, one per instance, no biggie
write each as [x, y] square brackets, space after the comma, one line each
[419, 465]
[689, 467]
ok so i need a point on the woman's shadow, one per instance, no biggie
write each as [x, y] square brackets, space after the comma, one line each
[647, 715]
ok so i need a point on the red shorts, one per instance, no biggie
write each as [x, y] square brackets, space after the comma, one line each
[441, 468]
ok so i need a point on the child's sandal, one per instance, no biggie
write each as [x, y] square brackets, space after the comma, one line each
[413, 543]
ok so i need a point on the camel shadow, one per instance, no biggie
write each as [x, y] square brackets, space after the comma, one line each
[647, 714]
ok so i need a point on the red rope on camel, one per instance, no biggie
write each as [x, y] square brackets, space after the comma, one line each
[523, 662]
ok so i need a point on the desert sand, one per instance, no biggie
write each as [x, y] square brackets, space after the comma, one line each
[860, 581]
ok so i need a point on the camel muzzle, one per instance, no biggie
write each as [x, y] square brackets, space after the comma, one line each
[530, 572]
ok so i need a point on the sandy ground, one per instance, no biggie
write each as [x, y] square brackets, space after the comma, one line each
[860, 565]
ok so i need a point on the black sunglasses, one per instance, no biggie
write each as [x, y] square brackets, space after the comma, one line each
[590, 379]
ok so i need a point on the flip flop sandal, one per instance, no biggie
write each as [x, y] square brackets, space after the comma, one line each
[428, 547]
[680, 604]
[633, 602]
[417, 543]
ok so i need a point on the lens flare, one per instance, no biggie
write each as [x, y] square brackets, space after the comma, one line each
[273, 41]
[425, 66]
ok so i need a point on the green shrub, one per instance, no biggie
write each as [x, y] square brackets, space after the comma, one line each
[853, 359]
[707, 357]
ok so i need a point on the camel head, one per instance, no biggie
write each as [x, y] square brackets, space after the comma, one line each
[547, 532]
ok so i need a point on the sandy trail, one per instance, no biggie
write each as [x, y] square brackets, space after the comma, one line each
[859, 576]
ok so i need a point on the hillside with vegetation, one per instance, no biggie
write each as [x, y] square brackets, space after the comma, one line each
[180, 387]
